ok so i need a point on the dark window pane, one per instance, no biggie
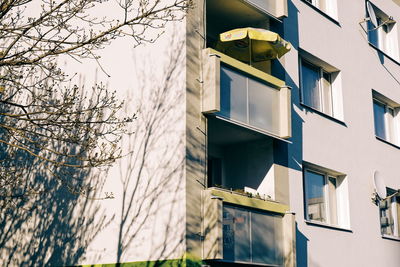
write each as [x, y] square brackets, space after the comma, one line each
[214, 171]
[310, 85]
[315, 195]
[379, 119]
[390, 134]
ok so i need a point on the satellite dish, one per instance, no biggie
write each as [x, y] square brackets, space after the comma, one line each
[371, 14]
[379, 185]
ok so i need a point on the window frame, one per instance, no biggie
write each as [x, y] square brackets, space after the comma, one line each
[391, 203]
[330, 10]
[321, 72]
[326, 195]
[386, 34]
[390, 123]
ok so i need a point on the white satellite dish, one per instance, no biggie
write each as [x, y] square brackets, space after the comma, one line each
[379, 184]
[371, 14]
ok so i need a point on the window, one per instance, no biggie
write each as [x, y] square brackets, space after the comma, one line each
[327, 6]
[385, 121]
[316, 85]
[383, 35]
[320, 85]
[252, 236]
[389, 210]
[326, 198]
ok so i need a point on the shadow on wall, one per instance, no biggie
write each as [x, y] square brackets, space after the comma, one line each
[40, 219]
[382, 57]
[301, 249]
[295, 155]
[152, 175]
[296, 148]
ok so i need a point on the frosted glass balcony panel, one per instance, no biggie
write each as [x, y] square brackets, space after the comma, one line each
[263, 106]
[233, 95]
[236, 234]
[249, 101]
[266, 238]
[252, 236]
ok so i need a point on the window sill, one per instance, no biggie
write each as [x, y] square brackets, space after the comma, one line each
[384, 53]
[326, 15]
[387, 142]
[391, 237]
[324, 114]
[329, 226]
[244, 263]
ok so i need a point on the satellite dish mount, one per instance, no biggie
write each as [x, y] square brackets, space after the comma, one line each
[374, 19]
[380, 188]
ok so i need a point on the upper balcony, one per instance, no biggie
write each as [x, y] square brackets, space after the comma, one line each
[241, 66]
[245, 95]
[246, 11]
[225, 15]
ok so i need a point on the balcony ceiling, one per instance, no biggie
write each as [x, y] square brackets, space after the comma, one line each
[221, 132]
[233, 13]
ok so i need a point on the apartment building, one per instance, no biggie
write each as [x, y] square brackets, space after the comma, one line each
[268, 135]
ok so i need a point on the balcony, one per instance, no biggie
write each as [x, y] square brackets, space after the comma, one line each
[243, 229]
[277, 8]
[248, 10]
[225, 15]
[244, 95]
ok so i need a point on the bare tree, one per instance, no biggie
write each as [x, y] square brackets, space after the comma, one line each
[46, 123]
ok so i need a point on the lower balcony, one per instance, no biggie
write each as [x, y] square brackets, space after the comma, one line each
[242, 229]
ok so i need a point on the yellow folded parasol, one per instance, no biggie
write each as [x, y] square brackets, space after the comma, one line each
[252, 44]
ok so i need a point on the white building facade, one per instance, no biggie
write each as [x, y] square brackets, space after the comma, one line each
[342, 74]
[256, 151]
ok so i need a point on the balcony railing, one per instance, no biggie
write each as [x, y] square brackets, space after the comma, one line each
[243, 229]
[245, 95]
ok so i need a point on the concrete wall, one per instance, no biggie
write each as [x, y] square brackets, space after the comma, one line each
[195, 131]
[349, 146]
